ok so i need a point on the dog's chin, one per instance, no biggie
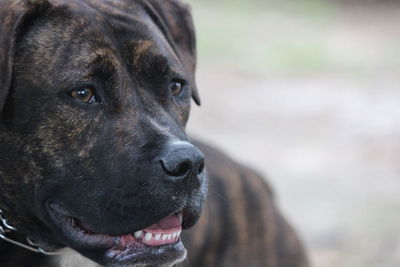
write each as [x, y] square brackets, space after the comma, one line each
[159, 244]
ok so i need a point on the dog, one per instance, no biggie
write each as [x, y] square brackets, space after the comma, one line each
[95, 166]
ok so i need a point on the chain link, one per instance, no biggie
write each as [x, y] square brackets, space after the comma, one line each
[7, 228]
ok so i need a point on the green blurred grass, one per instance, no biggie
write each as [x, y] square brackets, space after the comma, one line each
[263, 37]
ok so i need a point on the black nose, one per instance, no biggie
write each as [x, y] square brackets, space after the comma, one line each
[182, 160]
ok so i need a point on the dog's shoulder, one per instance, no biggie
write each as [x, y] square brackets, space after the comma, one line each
[228, 170]
[241, 223]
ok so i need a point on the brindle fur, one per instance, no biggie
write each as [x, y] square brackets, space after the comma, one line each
[240, 225]
[95, 157]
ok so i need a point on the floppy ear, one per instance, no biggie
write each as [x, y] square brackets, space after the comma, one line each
[176, 18]
[13, 14]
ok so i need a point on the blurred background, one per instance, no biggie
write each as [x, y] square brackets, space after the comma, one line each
[308, 93]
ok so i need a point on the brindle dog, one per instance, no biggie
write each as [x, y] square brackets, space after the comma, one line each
[94, 98]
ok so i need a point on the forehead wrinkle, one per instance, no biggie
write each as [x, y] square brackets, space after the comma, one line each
[148, 52]
[140, 49]
[165, 46]
[156, 21]
[122, 14]
[96, 64]
[161, 46]
[154, 42]
[87, 61]
[106, 57]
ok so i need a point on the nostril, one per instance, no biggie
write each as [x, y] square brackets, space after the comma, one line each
[179, 170]
[183, 168]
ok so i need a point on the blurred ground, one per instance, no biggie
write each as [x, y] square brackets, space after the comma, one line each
[308, 92]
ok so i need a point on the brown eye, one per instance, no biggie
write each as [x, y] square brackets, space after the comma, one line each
[85, 94]
[176, 87]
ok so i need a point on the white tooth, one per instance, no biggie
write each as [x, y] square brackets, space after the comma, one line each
[164, 237]
[179, 232]
[180, 216]
[157, 236]
[138, 234]
[168, 237]
[147, 236]
[174, 235]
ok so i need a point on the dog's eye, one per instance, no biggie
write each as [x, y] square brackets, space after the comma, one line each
[176, 87]
[85, 94]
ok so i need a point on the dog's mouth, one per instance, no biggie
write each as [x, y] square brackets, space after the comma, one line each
[154, 240]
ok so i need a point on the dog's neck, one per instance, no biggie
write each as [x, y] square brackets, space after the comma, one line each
[70, 258]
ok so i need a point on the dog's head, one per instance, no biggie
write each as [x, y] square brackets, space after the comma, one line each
[94, 98]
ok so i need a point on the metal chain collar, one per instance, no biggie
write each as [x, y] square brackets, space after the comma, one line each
[6, 228]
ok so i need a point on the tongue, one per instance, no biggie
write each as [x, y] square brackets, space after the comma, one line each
[165, 225]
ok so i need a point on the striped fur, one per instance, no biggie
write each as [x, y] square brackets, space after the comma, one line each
[241, 225]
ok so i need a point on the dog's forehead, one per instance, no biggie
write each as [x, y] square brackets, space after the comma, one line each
[113, 31]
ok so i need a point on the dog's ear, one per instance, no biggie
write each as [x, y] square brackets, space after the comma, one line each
[13, 15]
[176, 19]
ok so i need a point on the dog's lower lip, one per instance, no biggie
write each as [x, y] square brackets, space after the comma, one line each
[164, 232]
[73, 229]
